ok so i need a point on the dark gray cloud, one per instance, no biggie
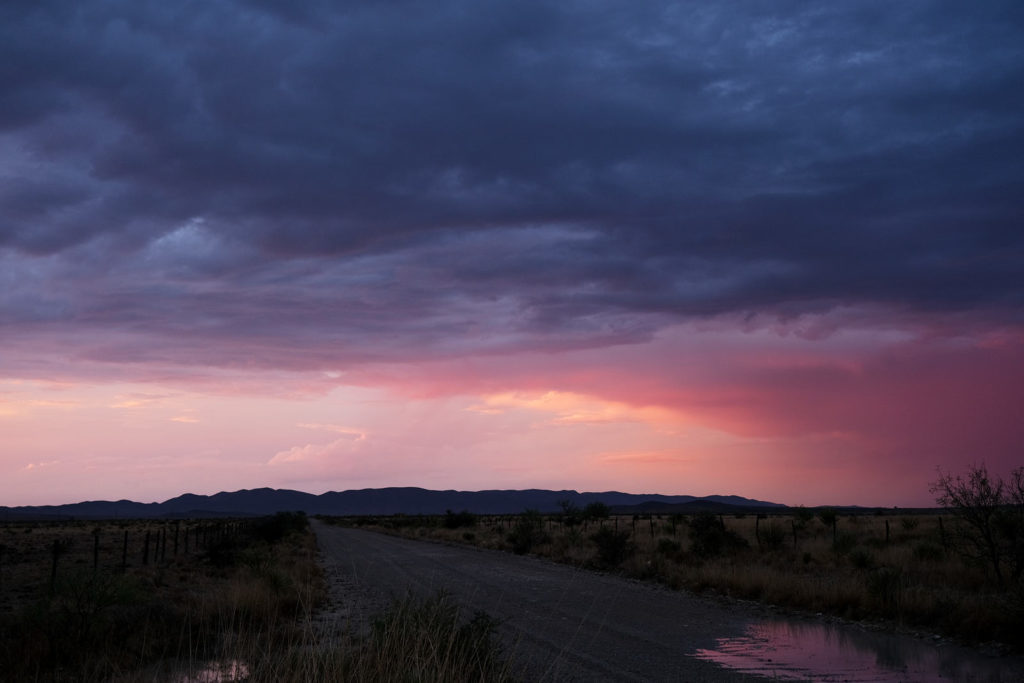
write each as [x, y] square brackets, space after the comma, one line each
[565, 169]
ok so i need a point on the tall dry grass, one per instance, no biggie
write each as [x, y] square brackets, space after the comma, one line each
[243, 608]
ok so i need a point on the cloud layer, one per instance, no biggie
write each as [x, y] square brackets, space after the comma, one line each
[288, 197]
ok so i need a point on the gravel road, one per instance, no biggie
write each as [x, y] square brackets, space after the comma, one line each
[558, 623]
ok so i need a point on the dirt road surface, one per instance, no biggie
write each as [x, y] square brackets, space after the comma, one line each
[558, 623]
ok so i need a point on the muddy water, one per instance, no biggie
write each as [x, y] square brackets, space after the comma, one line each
[783, 649]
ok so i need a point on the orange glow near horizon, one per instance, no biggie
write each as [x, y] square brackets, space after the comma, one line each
[648, 419]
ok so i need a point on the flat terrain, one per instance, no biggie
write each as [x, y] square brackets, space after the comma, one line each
[558, 623]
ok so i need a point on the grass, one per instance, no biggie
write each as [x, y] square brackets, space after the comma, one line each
[896, 568]
[243, 604]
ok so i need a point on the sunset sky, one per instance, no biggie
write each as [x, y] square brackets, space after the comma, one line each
[766, 249]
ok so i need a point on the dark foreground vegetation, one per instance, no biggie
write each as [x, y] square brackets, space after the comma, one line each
[955, 571]
[179, 601]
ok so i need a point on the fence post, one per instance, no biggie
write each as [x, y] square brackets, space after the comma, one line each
[124, 552]
[145, 549]
[95, 549]
[887, 532]
[177, 528]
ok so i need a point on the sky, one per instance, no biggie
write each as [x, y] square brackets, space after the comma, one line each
[766, 249]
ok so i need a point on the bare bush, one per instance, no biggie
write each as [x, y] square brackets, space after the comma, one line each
[991, 515]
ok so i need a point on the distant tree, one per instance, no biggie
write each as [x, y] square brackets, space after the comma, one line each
[571, 515]
[991, 515]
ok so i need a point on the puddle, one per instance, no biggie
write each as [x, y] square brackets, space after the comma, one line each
[217, 672]
[798, 651]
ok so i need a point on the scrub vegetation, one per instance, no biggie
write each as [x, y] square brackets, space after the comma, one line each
[130, 601]
[955, 571]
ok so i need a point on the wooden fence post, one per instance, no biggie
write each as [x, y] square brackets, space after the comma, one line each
[145, 549]
[95, 549]
[124, 552]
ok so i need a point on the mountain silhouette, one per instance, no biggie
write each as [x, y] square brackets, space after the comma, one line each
[385, 501]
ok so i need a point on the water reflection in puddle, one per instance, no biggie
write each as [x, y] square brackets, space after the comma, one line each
[217, 672]
[792, 650]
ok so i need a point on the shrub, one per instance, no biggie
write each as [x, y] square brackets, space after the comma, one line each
[844, 542]
[613, 547]
[773, 536]
[423, 640]
[885, 586]
[862, 559]
[596, 511]
[802, 515]
[991, 515]
[274, 528]
[456, 520]
[527, 532]
[709, 537]
[928, 552]
[666, 546]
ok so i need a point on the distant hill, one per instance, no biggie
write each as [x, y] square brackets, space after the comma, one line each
[387, 501]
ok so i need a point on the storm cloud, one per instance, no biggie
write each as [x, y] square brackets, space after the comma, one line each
[329, 183]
